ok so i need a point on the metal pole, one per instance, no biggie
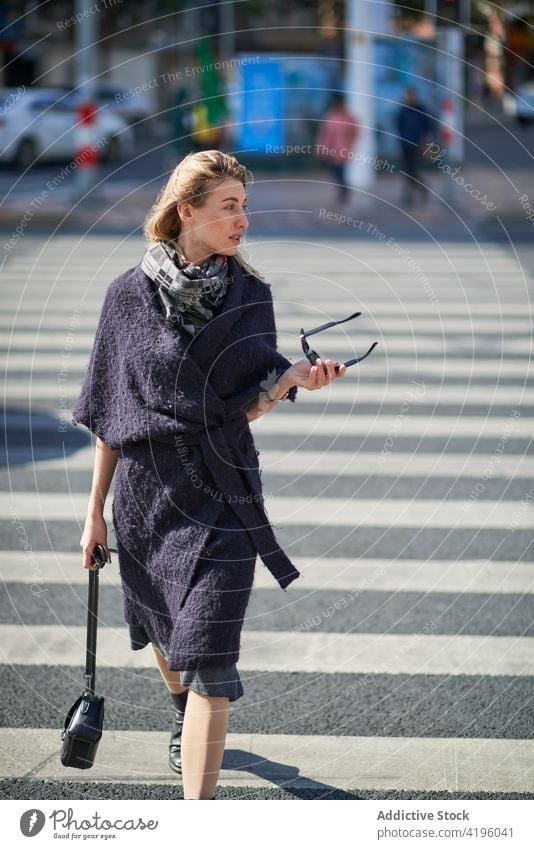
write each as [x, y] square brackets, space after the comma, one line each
[359, 94]
[431, 9]
[227, 31]
[85, 70]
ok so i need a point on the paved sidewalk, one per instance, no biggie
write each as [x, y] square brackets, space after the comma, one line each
[322, 763]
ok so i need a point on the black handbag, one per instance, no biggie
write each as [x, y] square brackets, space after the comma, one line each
[83, 724]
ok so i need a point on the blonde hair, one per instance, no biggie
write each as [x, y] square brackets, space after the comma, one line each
[194, 176]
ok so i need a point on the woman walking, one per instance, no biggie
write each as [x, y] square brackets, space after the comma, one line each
[185, 356]
[338, 133]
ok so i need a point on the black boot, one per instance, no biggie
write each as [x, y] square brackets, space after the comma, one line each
[179, 703]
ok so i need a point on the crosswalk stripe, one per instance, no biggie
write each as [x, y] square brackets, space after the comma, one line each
[28, 385]
[280, 260]
[27, 349]
[323, 573]
[340, 392]
[462, 367]
[462, 629]
[338, 284]
[334, 424]
[339, 249]
[39, 360]
[451, 764]
[318, 293]
[422, 393]
[60, 298]
[315, 511]
[350, 463]
[386, 425]
[359, 464]
[31, 318]
[365, 273]
[412, 654]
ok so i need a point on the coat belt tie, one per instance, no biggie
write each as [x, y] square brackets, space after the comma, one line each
[217, 456]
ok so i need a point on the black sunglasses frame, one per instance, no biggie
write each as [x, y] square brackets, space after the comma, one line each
[312, 355]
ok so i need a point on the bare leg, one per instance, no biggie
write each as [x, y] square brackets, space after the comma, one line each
[203, 740]
[172, 679]
[203, 735]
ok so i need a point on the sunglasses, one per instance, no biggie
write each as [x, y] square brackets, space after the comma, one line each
[312, 355]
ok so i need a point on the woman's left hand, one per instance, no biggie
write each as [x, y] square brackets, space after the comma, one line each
[312, 377]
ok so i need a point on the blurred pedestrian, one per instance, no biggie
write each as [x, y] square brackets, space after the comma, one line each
[205, 134]
[179, 118]
[338, 132]
[414, 127]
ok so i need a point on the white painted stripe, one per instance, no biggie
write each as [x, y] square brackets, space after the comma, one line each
[313, 512]
[385, 425]
[298, 303]
[56, 361]
[369, 282]
[366, 763]
[263, 244]
[413, 654]
[413, 324]
[343, 391]
[455, 282]
[325, 289]
[388, 425]
[278, 255]
[273, 248]
[283, 651]
[349, 392]
[321, 575]
[286, 261]
[347, 463]
[41, 344]
[42, 369]
[476, 576]
[487, 269]
[330, 463]
[43, 341]
[380, 368]
[34, 320]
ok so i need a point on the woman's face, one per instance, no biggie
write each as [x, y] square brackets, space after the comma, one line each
[218, 226]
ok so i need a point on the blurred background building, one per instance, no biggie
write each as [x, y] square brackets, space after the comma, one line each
[257, 77]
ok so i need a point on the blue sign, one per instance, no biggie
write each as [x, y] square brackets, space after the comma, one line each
[260, 118]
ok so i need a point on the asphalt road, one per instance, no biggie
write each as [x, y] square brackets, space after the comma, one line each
[400, 667]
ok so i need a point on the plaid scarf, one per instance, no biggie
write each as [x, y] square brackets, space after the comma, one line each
[190, 293]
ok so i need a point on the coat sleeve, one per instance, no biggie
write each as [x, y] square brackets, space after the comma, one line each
[94, 406]
[267, 351]
[112, 402]
[280, 363]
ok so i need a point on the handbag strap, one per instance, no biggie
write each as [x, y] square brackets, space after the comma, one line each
[100, 558]
[92, 614]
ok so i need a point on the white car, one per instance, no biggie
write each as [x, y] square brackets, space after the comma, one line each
[525, 103]
[40, 124]
[520, 103]
[135, 107]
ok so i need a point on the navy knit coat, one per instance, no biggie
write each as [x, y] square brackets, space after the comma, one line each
[175, 408]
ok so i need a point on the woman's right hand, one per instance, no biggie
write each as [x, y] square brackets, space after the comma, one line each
[303, 374]
[95, 531]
